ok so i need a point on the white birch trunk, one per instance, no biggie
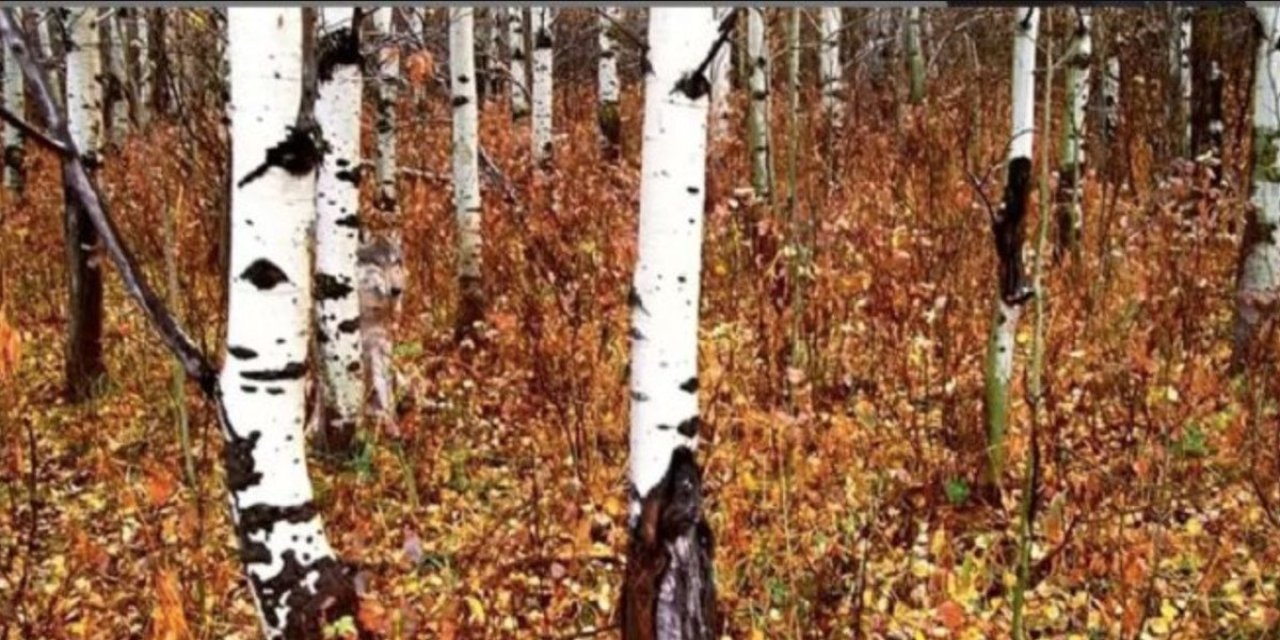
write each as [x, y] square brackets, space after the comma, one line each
[1008, 230]
[84, 86]
[543, 47]
[118, 105]
[607, 78]
[676, 598]
[1184, 75]
[758, 118]
[385, 115]
[1258, 291]
[15, 102]
[831, 72]
[52, 20]
[520, 88]
[721, 117]
[493, 51]
[466, 168]
[1071, 162]
[290, 565]
[337, 230]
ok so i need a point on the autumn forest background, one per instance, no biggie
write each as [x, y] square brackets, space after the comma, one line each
[842, 338]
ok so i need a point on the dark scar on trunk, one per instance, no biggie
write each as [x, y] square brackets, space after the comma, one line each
[337, 48]
[543, 39]
[349, 325]
[1009, 231]
[349, 175]
[238, 458]
[351, 221]
[299, 154]
[291, 371]
[242, 353]
[308, 611]
[689, 428]
[264, 274]
[640, 396]
[690, 385]
[635, 334]
[668, 589]
[459, 101]
[331, 288]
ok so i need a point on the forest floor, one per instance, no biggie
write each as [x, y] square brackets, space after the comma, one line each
[842, 407]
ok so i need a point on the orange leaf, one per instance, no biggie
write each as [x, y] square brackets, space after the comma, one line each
[951, 615]
[373, 617]
[160, 487]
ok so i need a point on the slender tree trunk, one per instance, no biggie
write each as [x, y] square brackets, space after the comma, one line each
[493, 50]
[15, 101]
[1180, 77]
[380, 258]
[610, 118]
[159, 98]
[337, 231]
[466, 171]
[84, 365]
[915, 56]
[1111, 102]
[53, 47]
[1258, 289]
[1008, 227]
[758, 118]
[1071, 162]
[832, 73]
[1216, 127]
[540, 24]
[721, 85]
[668, 592]
[117, 96]
[298, 582]
[142, 65]
[520, 88]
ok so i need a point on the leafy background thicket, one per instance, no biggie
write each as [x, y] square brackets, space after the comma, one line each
[838, 471]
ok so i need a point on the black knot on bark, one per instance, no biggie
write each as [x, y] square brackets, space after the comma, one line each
[299, 154]
[693, 86]
[338, 47]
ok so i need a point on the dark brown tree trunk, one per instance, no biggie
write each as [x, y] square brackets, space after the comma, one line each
[84, 363]
[160, 79]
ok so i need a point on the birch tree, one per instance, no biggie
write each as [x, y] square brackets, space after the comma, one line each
[540, 24]
[142, 56]
[758, 117]
[297, 581]
[117, 102]
[721, 85]
[607, 81]
[1008, 228]
[831, 71]
[1182, 69]
[337, 229]
[915, 56]
[298, 586]
[1072, 159]
[53, 47]
[669, 593]
[1111, 95]
[1258, 288]
[84, 363]
[519, 64]
[15, 102]
[466, 169]
[385, 114]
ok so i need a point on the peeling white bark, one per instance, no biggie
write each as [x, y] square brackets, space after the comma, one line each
[664, 314]
[1024, 83]
[337, 231]
[84, 88]
[758, 117]
[543, 47]
[146, 66]
[466, 168]
[831, 73]
[283, 544]
[385, 115]
[519, 66]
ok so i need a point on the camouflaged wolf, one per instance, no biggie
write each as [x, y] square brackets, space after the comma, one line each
[381, 278]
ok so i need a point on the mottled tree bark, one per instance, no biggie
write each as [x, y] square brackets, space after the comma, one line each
[1258, 288]
[84, 361]
[609, 117]
[915, 56]
[466, 171]
[15, 101]
[337, 229]
[832, 73]
[1009, 229]
[543, 94]
[758, 116]
[519, 64]
[299, 584]
[1071, 162]
[668, 591]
